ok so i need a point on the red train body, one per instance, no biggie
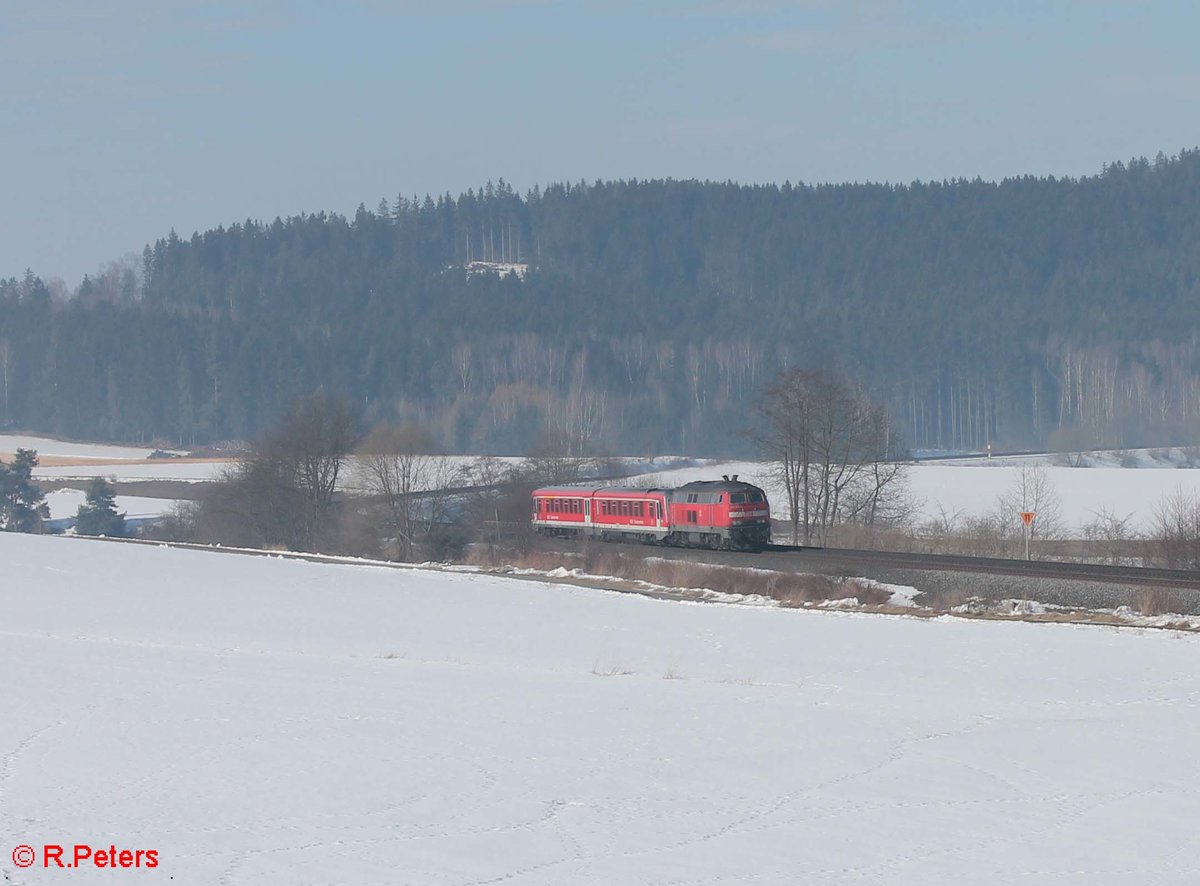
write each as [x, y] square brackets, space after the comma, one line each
[725, 513]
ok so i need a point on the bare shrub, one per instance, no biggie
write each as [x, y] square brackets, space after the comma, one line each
[946, 599]
[789, 588]
[1175, 533]
[178, 524]
[1111, 535]
[357, 533]
[610, 670]
[1157, 601]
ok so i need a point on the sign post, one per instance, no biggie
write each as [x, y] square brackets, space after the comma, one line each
[1027, 519]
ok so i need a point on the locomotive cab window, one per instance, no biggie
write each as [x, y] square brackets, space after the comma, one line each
[737, 498]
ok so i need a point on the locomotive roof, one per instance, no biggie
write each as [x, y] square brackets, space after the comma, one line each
[717, 486]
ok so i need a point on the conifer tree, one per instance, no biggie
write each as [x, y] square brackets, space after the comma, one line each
[22, 502]
[98, 514]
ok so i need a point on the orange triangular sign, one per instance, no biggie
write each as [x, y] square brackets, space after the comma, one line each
[1027, 517]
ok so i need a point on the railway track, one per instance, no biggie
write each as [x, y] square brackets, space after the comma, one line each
[799, 558]
[1124, 575]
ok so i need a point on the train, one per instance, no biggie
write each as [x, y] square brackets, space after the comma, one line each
[727, 514]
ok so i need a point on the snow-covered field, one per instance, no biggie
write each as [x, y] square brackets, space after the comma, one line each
[264, 721]
[65, 503]
[973, 487]
[46, 446]
[1083, 492]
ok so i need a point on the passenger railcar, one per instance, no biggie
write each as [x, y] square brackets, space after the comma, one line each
[725, 513]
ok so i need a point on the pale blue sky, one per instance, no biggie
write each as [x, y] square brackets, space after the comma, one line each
[120, 119]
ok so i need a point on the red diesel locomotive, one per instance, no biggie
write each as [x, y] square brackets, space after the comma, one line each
[725, 513]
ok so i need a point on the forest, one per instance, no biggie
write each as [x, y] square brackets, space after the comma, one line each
[646, 317]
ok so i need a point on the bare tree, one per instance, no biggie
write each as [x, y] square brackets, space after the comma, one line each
[396, 465]
[829, 445]
[309, 444]
[1031, 491]
[283, 492]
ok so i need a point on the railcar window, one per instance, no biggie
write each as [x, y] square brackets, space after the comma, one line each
[756, 496]
[737, 498]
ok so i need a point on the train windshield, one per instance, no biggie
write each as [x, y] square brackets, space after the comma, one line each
[738, 498]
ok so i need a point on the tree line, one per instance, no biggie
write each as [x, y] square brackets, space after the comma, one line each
[1024, 312]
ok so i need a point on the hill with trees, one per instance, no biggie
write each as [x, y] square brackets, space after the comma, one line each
[647, 316]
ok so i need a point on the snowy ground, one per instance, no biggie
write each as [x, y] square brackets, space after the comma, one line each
[265, 721]
[1082, 492]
